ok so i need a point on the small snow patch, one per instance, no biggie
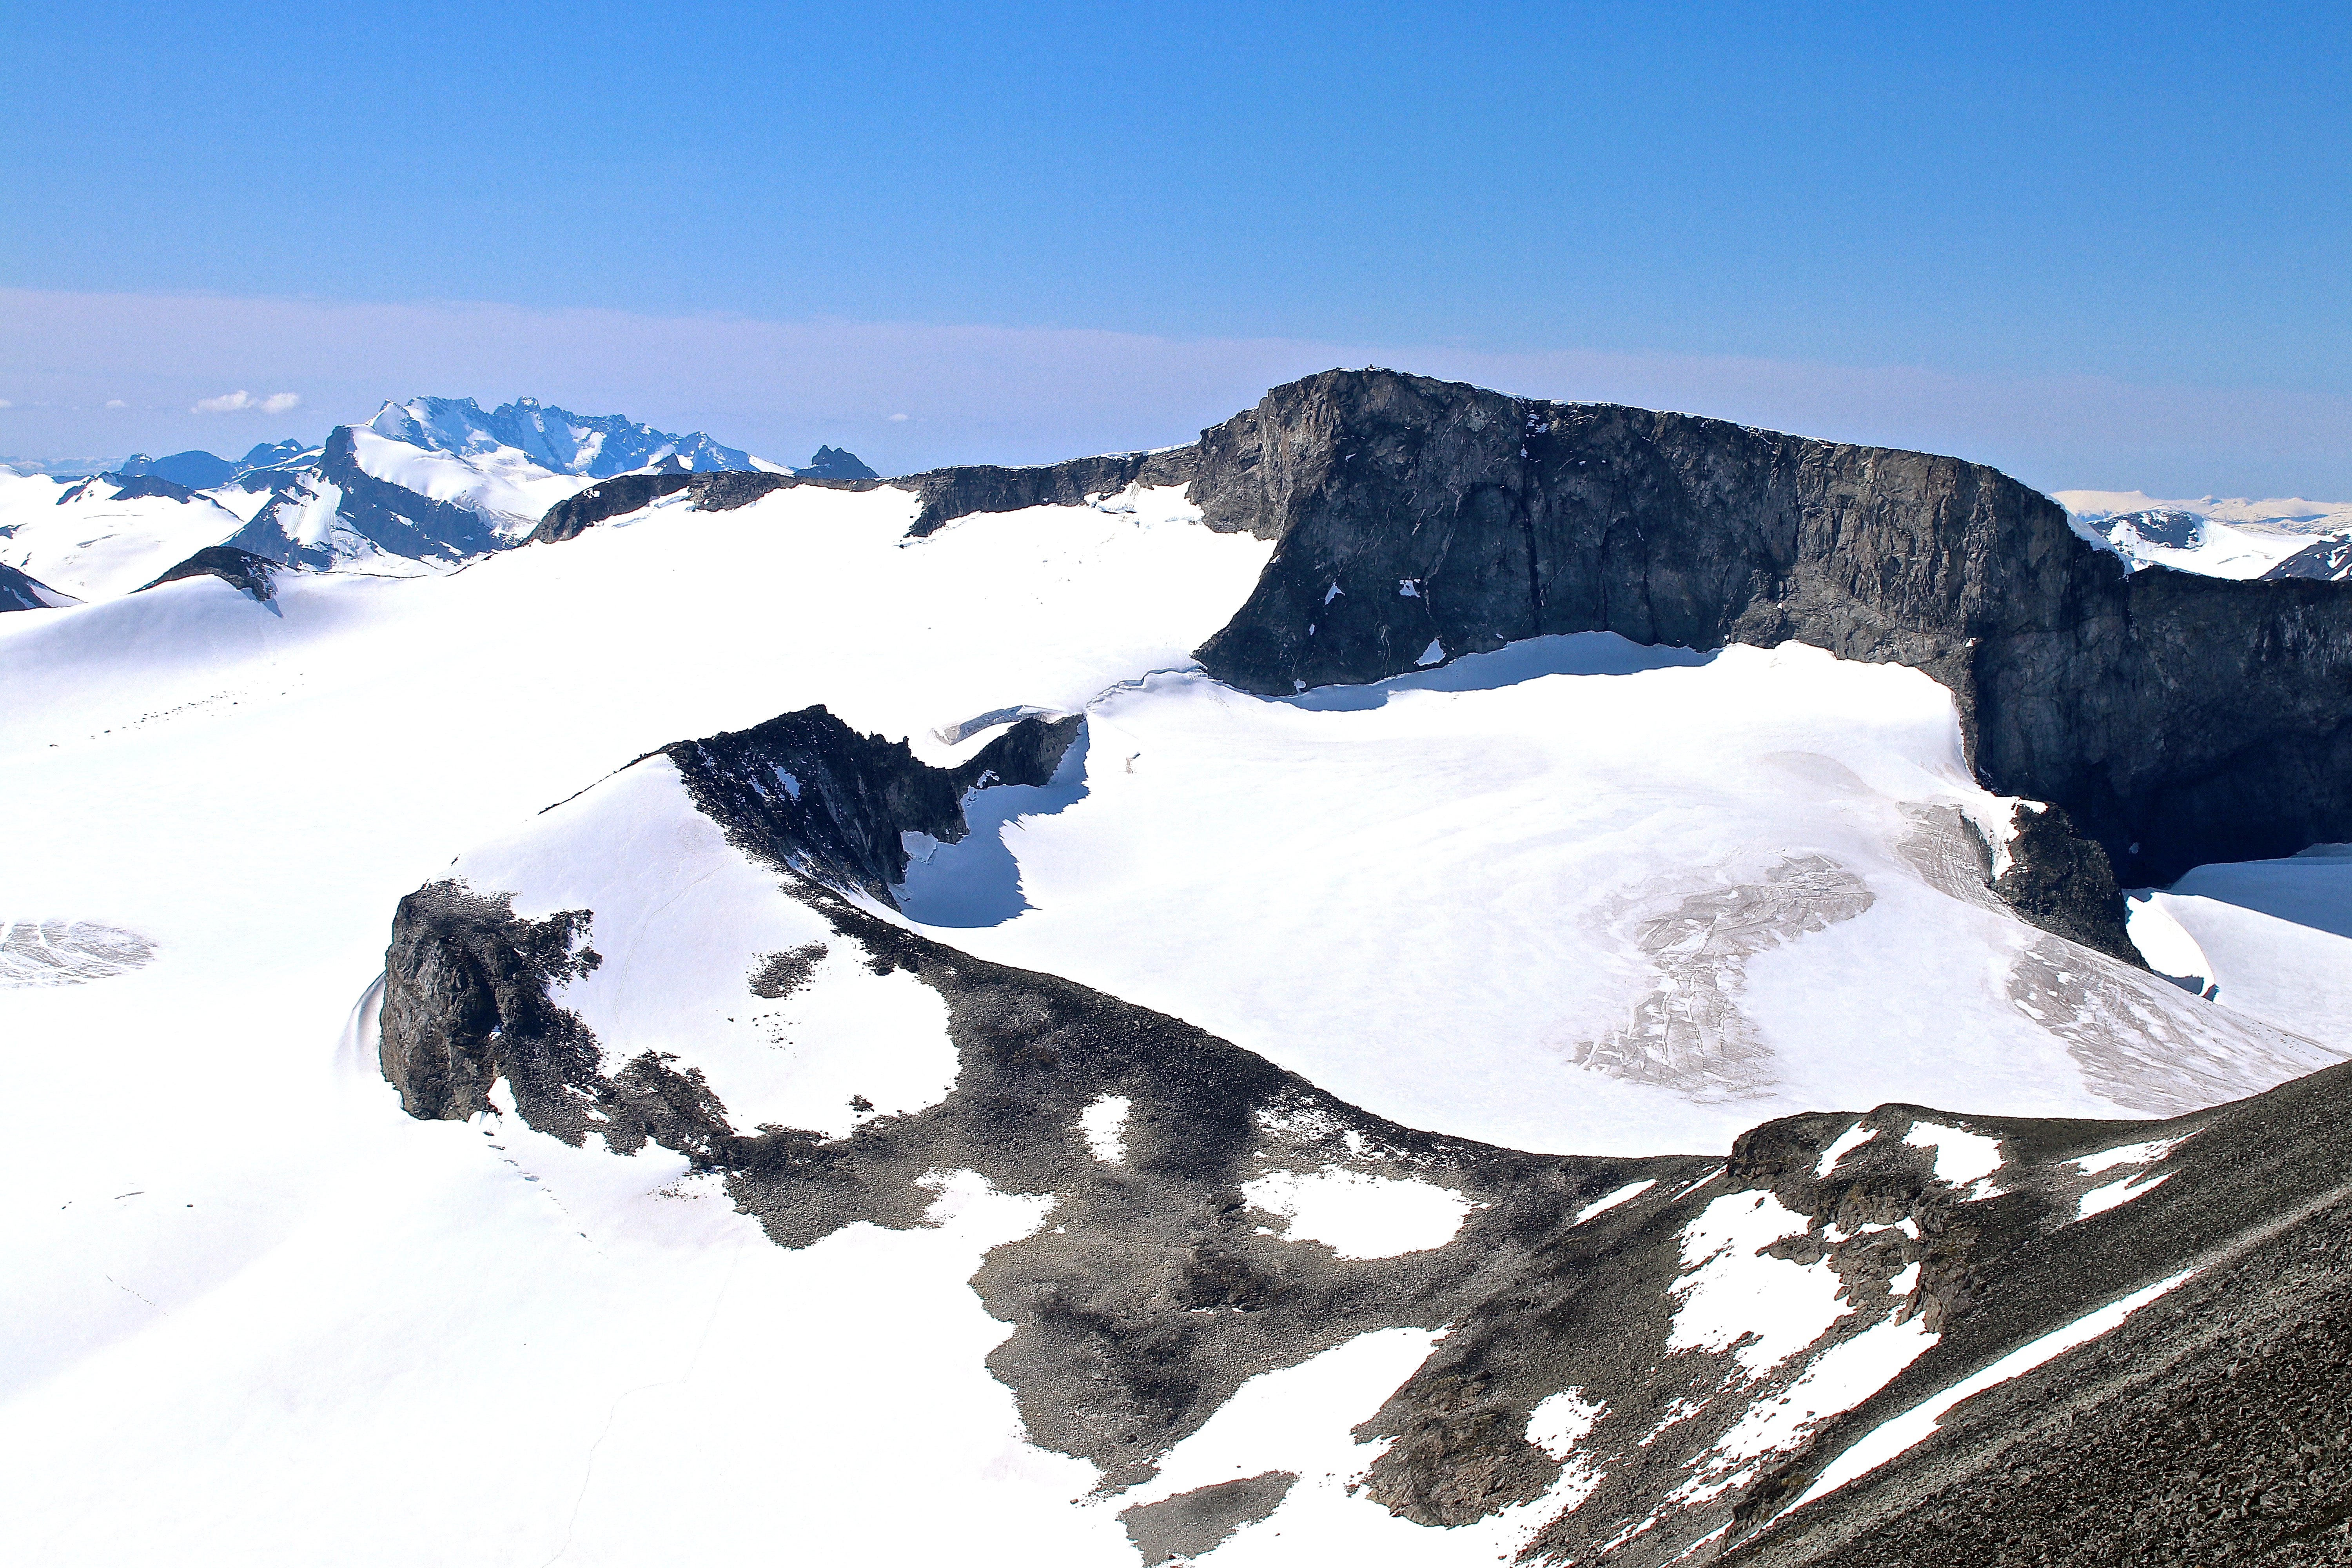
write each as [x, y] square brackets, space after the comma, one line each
[1560, 1421]
[1912, 1427]
[1434, 654]
[1852, 1138]
[1733, 1296]
[1607, 1201]
[1358, 1216]
[2139, 1183]
[1961, 1157]
[1105, 1125]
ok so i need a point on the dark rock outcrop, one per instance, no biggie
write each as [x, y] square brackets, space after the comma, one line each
[833, 463]
[255, 575]
[805, 791]
[2178, 719]
[128, 486]
[2326, 559]
[21, 591]
[2065, 884]
[466, 1004]
[723, 490]
[946, 494]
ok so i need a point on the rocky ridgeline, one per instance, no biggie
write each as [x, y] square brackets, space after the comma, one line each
[2178, 719]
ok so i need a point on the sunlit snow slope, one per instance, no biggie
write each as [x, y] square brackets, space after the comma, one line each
[1582, 896]
[1575, 895]
[243, 791]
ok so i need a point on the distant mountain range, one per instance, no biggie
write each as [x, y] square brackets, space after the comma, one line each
[425, 485]
[2287, 537]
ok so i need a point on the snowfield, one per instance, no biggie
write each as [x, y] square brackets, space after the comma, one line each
[99, 543]
[1583, 897]
[1572, 896]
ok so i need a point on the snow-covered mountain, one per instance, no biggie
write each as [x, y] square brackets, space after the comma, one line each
[424, 486]
[945, 1065]
[2239, 538]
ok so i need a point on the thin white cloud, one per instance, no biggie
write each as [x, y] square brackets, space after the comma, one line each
[6, 404]
[897, 419]
[116, 402]
[240, 400]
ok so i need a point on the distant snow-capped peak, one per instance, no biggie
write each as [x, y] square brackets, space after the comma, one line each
[589, 446]
[2281, 537]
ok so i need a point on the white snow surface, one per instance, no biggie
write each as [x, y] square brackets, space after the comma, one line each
[1357, 1215]
[1733, 1297]
[2273, 936]
[1104, 1125]
[1607, 1201]
[681, 920]
[98, 545]
[245, 1290]
[1962, 1158]
[1578, 896]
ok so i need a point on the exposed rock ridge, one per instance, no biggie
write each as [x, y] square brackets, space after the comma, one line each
[23, 591]
[805, 792]
[1155, 1290]
[131, 486]
[719, 490]
[946, 494]
[2328, 560]
[241, 569]
[2210, 1427]
[2178, 719]
[397, 521]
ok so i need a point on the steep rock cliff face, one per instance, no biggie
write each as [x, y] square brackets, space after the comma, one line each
[2177, 719]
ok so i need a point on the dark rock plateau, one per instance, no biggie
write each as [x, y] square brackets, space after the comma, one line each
[2177, 719]
[720, 490]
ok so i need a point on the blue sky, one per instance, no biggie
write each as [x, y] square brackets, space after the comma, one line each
[1771, 213]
